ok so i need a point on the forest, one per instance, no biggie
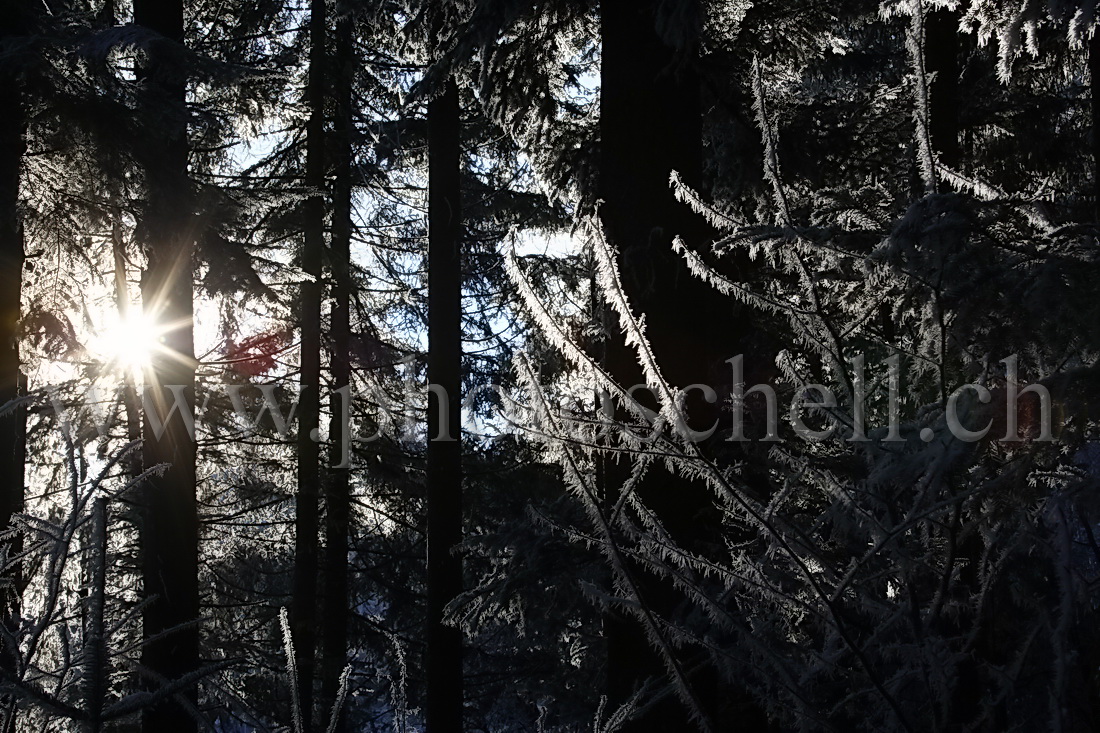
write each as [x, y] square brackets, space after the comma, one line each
[549, 366]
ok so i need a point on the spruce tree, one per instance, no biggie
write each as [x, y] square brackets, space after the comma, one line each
[167, 232]
[444, 458]
[334, 578]
[306, 526]
[12, 424]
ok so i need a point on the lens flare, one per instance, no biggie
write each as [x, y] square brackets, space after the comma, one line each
[131, 343]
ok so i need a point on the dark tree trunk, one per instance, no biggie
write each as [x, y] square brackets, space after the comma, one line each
[942, 48]
[337, 500]
[12, 425]
[941, 56]
[170, 528]
[97, 664]
[1094, 91]
[304, 601]
[131, 401]
[651, 125]
[444, 649]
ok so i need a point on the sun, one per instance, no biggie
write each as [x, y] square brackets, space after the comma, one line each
[130, 343]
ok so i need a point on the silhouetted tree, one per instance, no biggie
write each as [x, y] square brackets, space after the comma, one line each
[167, 232]
[306, 525]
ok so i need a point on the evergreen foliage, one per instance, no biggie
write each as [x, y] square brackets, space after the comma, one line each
[895, 201]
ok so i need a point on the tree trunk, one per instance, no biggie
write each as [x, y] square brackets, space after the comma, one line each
[13, 425]
[130, 399]
[97, 666]
[170, 527]
[941, 56]
[304, 601]
[1094, 86]
[444, 651]
[651, 125]
[337, 500]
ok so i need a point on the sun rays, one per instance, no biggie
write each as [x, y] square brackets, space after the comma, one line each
[134, 343]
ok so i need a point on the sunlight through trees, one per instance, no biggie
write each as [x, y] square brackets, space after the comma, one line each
[487, 365]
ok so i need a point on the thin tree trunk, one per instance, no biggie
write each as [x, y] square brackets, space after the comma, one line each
[1094, 91]
[12, 426]
[304, 601]
[444, 652]
[170, 527]
[337, 500]
[130, 400]
[97, 664]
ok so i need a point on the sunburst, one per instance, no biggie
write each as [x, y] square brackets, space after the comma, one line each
[132, 343]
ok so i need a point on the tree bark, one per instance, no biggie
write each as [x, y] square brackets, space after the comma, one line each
[942, 48]
[338, 499]
[941, 56]
[304, 601]
[97, 667]
[444, 473]
[170, 527]
[1094, 91]
[13, 425]
[130, 399]
[651, 124]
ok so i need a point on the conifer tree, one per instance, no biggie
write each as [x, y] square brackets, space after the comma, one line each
[650, 101]
[13, 423]
[444, 459]
[167, 232]
[335, 612]
[941, 53]
[1094, 84]
[306, 554]
[906, 579]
